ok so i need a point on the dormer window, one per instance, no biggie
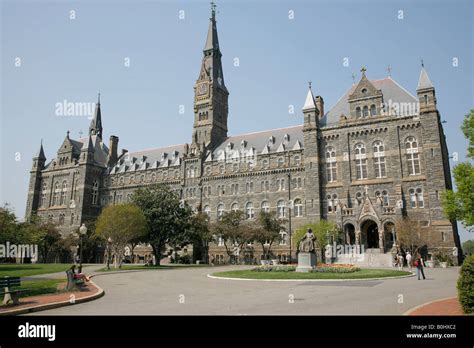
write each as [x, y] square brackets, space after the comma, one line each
[163, 155]
[271, 140]
[286, 138]
[243, 144]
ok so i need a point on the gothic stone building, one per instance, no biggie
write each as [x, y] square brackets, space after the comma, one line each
[378, 154]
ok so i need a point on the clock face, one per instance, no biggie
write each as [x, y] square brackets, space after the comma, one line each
[202, 88]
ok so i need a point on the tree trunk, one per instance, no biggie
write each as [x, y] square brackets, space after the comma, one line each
[157, 253]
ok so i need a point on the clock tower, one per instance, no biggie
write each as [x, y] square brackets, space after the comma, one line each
[210, 95]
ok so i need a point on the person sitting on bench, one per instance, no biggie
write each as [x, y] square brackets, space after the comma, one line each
[79, 275]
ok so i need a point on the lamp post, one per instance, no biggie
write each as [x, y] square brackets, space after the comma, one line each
[82, 232]
[289, 209]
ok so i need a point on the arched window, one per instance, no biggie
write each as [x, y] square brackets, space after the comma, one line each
[265, 207]
[63, 193]
[281, 209]
[331, 164]
[207, 210]
[379, 159]
[330, 204]
[220, 210]
[419, 198]
[234, 207]
[298, 208]
[281, 161]
[412, 198]
[385, 199]
[365, 111]
[264, 164]
[95, 192]
[361, 161]
[283, 238]
[413, 157]
[358, 112]
[249, 212]
[373, 110]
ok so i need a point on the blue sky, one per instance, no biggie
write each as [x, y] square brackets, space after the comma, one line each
[73, 59]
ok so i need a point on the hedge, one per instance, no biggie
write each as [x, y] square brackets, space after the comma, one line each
[466, 285]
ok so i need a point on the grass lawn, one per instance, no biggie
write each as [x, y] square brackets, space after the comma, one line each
[38, 287]
[25, 270]
[128, 267]
[362, 274]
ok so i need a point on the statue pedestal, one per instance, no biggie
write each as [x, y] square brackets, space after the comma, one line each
[306, 262]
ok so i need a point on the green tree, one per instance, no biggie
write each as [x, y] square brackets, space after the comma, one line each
[468, 247]
[268, 231]
[324, 231]
[167, 220]
[201, 235]
[8, 226]
[121, 223]
[409, 235]
[465, 285]
[459, 204]
[235, 232]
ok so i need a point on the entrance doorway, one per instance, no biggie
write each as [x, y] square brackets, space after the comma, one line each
[370, 233]
[350, 234]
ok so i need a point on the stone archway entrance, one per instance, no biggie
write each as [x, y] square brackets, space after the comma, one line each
[370, 234]
[349, 231]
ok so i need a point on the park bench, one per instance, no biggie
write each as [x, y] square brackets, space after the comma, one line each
[73, 283]
[11, 296]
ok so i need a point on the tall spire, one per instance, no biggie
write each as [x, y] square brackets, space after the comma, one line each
[424, 81]
[309, 102]
[40, 153]
[212, 42]
[96, 124]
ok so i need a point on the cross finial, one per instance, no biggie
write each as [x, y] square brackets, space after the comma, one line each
[213, 9]
[41, 141]
[363, 70]
[309, 83]
[353, 78]
[98, 98]
[389, 70]
[80, 133]
[68, 134]
[422, 63]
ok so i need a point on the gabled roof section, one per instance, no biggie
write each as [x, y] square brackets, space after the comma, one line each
[364, 88]
[309, 102]
[391, 90]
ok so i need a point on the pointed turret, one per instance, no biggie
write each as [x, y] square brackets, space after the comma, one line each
[39, 158]
[40, 154]
[310, 110]
[424, 81]
[96, 124]
[425, 91]
[212, 42]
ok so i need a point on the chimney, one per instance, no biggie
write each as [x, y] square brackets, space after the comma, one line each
[113, 145]
[320, 106]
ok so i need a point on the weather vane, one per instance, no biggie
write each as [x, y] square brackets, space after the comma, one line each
[422, 63]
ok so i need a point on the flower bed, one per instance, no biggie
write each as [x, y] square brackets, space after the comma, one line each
[274, 268]
[336, 268]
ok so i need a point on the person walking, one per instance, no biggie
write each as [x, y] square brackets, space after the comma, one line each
[408, 258]
[400, 262]
[419, 266]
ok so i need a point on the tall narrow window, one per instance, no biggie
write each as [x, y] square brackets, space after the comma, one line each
[265, 207]
[412, 198]
[331, 164]
[413, 157]
[234, 207]
[43, 195]
[379, 159]
[373, 110]
[220, 210]
[63, 193]
[249, 212]
[361, 161]
[365, 111]
[281, 209]
[207, 210]
[419, 198]
[358, 112]
[330, 204]
[385, 199]
[95, 192]
[298, 208]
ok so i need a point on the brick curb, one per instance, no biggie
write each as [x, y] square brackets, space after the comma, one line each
[411, 310]
[52, 305]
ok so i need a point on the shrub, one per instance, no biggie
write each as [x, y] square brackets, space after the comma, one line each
[336, 268]
[466, 285]
[274, 268]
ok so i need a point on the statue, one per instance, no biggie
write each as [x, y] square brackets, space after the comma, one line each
[307, 253]
[306, 244]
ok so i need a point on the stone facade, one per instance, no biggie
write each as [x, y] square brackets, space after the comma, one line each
[378, 154]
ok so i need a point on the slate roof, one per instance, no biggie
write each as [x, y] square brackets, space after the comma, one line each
[424, 81]
[391, 90]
